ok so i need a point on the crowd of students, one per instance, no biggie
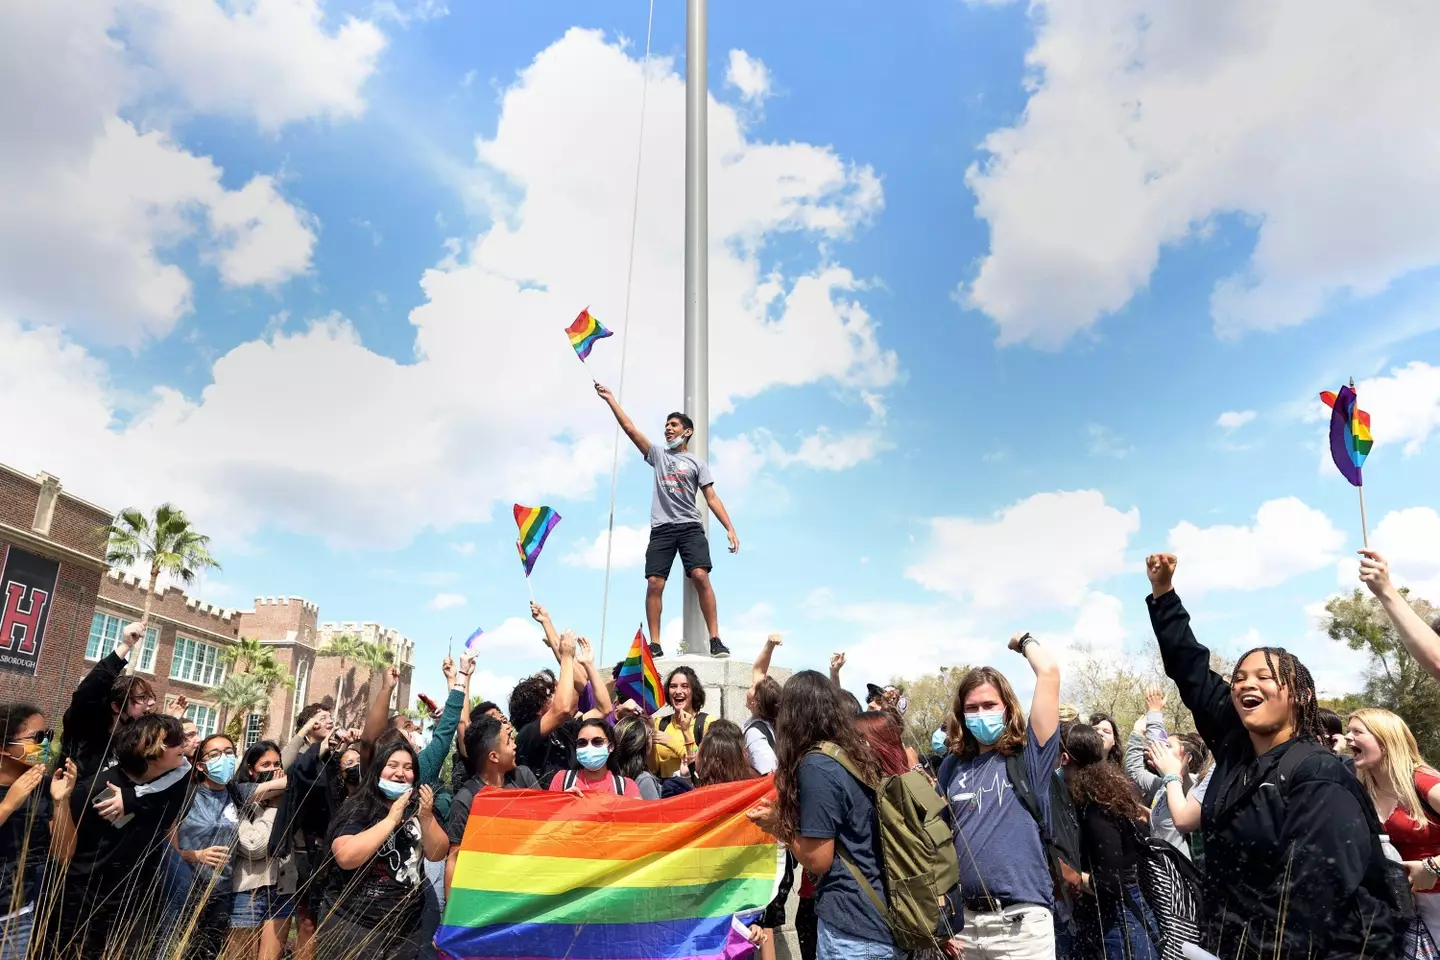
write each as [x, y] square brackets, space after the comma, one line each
[1276, 830]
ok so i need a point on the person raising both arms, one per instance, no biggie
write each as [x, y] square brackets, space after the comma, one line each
[675, 525]
[1293, 861]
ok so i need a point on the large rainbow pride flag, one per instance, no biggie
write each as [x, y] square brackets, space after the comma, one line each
[544, 876]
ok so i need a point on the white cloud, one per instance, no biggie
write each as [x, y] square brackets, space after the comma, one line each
[1287, 539]
[445, 601]
[823, 450]
[1407, 539]
[86, 193]
[1145, 125]
[442, 453]
[1234, 419]
[516, 639]
[749, 75]
[1104, 442]
[271, 60]
[1404, 407]
[493, 686]
[1041, 553]
[629, 549]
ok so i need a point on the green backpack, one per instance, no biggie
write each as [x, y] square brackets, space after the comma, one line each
[917, 854]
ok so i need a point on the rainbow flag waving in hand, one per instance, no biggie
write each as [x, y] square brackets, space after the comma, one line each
[535, 524]
[1350, 439]
[584, 332]
[638, 679]
[546, 876]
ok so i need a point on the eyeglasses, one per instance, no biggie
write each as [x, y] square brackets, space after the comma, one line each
[143, 701]
[39, 736]
[593, 742]
[216, 754]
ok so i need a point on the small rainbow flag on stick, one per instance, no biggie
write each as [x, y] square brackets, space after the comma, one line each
[584, 332]
[535, 524]
[1350, 442]
[550, 875]
[638, 679]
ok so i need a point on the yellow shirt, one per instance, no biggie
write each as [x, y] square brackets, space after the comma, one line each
[669, 751]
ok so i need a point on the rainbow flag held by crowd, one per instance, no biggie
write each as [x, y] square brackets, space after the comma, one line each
[535, 524]
[1350, 439]
[638, 679]
[584, 333]
[545, 876]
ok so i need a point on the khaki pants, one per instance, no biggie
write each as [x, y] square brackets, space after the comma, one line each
[1021, 932]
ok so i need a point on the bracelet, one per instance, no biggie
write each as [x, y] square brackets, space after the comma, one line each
[1168, 779]
[1025, 641]
[1431, 866]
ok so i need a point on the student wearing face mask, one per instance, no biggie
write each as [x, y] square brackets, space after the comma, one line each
[595, 769]
[675, 525]
[26, 808]
[380, 841]
[1294, 866]
[112, 861]
[264, 886]
[999, 780]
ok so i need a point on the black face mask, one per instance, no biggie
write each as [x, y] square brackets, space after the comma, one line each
[265, 776]
[351, 776]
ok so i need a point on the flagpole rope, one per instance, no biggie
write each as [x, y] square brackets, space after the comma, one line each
[625, 326]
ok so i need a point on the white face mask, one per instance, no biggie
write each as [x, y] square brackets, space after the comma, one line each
[677, 443]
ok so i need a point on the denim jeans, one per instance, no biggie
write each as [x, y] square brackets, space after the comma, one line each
[1129, 939]
[15, 936]
[831, 944]
[434, 907]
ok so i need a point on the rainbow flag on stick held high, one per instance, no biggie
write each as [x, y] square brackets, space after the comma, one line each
[638, 679]
[584, 332]
[472, 642]
[535, 524]
[1350, 439]
[546, 875]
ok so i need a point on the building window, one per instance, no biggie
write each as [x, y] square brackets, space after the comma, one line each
[302, 687]
[196, 662]
[206, 719]
[105, 630]
[252, 730]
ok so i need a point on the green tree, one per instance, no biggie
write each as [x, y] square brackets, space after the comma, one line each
[241, 694]
[930, 699]
[345, 647]
[165, 542]
[1395, 680]
[256, 661]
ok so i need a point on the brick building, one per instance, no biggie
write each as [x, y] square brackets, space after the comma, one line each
[63, 610]
[356, 692]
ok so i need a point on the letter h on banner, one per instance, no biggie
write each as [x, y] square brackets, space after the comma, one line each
[20, 626]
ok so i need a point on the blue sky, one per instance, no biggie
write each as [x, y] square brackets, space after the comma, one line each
[984, 281]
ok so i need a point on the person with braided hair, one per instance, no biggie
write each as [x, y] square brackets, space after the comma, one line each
[1293, 860]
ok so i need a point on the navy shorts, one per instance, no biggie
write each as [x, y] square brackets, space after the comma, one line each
[668, 539]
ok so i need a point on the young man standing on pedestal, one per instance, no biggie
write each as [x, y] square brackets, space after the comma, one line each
[675, 519]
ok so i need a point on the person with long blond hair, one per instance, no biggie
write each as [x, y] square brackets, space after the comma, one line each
[1406, 794]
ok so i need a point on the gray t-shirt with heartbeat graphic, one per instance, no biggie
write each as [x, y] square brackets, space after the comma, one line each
[997, 841]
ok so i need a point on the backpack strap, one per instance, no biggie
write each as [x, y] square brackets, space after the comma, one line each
[702, 720]
[568, 783]
[665, 721]
[766, 731]
[619, 784]
[947, 770]
[1024, 792]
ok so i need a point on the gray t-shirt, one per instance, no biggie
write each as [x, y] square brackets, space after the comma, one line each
[678, 478]
[998, 842]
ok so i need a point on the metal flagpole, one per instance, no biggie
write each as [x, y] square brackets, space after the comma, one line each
[697, 279]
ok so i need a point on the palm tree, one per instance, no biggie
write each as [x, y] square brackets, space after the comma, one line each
[375, 656]
[347, 647]
[255, 660]
[241, 694]
[166, 542]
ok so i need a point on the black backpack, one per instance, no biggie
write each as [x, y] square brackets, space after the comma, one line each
[1060, 838]
[1172, 887]
[701, 719]
[766, 730]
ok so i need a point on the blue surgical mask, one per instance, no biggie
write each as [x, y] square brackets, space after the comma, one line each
[675, 444]
[393, 790]
[986, 727]
[221, 769]
[937, 741]
[593, 758]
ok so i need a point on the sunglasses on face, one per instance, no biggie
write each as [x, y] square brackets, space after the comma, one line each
[39, 736]
[593, 742]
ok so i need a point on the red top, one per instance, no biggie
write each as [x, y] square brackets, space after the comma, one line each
[1411, 840]
[605, 784]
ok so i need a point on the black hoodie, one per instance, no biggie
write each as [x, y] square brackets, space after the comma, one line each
[1289, 867]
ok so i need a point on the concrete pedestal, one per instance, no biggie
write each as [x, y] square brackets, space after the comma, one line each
[726, 682]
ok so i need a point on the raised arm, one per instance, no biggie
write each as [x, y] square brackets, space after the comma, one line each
[716, 507]
[542, 617]
[1422, 642]
[62, 824]
[1186, 661]
[585, 658]
[562, 704]
[465, 671]
[432, 758]
[622, 418]
[762, 662]
[837, 662]
[1045, 705]
[379, 716]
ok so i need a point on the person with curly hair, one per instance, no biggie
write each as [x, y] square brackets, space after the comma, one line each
[1293, 861]
[1111, 917]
